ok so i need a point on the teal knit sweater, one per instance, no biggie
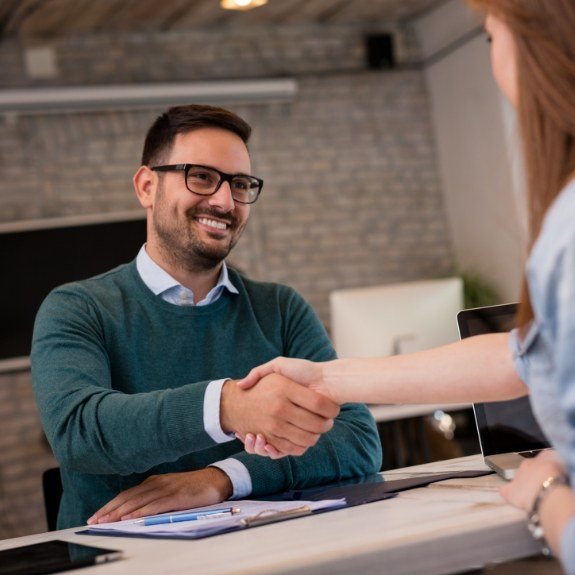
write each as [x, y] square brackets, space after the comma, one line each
[120, 375]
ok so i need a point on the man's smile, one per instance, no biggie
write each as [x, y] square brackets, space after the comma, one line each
[210, 223]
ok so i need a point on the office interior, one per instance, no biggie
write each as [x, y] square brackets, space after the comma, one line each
[387, 152]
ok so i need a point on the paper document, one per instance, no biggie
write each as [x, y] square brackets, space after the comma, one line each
[251, 513]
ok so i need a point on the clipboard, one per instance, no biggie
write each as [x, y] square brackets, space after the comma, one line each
[375, 487]
[252, 513]
[304, 502]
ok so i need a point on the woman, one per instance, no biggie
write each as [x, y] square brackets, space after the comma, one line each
[533, 61]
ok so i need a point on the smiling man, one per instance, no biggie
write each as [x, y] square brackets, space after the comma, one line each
[132, 369]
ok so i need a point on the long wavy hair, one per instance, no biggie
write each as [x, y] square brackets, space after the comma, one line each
[544, 36]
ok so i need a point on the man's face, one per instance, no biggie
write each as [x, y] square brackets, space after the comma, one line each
[196, 232]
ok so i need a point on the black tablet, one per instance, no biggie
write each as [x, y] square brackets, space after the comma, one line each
[52, 557]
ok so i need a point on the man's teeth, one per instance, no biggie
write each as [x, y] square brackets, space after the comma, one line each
[213, 223]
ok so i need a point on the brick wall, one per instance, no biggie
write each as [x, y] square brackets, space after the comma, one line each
[181, 56]
[351, 198]
[24, 455]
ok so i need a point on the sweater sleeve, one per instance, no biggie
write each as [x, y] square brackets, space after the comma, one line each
[351, 448]
[92, 427]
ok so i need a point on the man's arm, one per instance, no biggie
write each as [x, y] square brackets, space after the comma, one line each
[92, 427]
[175, 491]
[351, 448]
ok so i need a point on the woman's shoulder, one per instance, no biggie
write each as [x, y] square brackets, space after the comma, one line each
[562, 209]
[555, 247]
[558, 230]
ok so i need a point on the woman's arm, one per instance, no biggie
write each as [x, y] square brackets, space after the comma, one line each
[476, 369]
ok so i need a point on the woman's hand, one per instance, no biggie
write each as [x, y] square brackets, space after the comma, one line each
[522, 491]
[301, 371]
[557, 507]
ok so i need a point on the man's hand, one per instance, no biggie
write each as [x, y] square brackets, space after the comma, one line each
[257, 445]
[290, 416]
[168, 492]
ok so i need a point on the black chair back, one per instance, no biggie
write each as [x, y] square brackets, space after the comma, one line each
[52, 488]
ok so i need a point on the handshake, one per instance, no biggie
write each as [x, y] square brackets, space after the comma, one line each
[280, 408]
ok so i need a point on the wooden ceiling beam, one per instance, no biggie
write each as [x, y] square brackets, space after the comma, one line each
[203, 14]
[56, 18]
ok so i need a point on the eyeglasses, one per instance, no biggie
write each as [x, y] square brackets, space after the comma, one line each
[206, 181]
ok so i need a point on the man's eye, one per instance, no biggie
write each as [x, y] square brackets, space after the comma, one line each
[199, 178]
[241, 185]
[199, 175]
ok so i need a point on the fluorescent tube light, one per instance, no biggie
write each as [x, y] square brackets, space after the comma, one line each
[94, 98]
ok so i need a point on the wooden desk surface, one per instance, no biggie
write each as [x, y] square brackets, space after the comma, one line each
[443, 528]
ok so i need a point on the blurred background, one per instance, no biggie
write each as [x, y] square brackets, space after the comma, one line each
[387, 152]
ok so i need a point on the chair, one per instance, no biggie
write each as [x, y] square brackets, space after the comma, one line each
[52, 489]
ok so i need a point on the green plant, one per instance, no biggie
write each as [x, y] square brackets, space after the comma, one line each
[477, 291]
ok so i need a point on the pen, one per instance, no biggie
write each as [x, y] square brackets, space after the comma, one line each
[273, 516]
[195, 516]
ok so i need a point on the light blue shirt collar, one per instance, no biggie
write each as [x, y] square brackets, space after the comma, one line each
[162, 284]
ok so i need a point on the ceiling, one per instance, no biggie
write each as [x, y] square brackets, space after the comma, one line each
[56, 18]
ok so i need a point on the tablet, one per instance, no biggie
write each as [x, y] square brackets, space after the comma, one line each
[52, 557]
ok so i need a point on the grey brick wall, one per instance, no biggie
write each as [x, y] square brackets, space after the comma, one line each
[183, 56]
[24, 455]
[351, 194]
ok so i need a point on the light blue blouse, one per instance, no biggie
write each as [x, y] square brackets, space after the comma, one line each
[545, 358]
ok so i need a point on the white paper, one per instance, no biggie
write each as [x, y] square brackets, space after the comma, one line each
[209, 526]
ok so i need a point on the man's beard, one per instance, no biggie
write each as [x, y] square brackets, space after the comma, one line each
[180, 244]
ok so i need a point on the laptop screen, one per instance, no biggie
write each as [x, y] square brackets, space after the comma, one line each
[503, 426]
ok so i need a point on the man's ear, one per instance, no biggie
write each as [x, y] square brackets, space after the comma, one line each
[145, 184]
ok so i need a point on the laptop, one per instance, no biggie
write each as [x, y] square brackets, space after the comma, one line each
[508, 432]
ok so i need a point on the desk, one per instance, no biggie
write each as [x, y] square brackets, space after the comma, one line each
[446, 527]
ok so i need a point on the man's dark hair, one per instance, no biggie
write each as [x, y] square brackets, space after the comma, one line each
[182, 119]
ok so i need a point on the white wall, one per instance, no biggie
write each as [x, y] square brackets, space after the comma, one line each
[474, 148]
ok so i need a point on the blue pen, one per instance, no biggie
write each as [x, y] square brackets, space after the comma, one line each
[178, 517]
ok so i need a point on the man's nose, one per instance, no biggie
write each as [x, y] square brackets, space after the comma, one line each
[223, 198]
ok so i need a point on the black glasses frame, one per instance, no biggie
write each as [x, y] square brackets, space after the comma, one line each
[224, 177]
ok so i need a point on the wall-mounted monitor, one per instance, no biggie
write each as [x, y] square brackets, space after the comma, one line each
[37, 256]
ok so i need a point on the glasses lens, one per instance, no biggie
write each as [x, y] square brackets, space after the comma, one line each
[205, 181]
[245, 189]
[202, 180]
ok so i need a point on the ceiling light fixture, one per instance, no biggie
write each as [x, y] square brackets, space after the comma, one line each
[241, 4]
